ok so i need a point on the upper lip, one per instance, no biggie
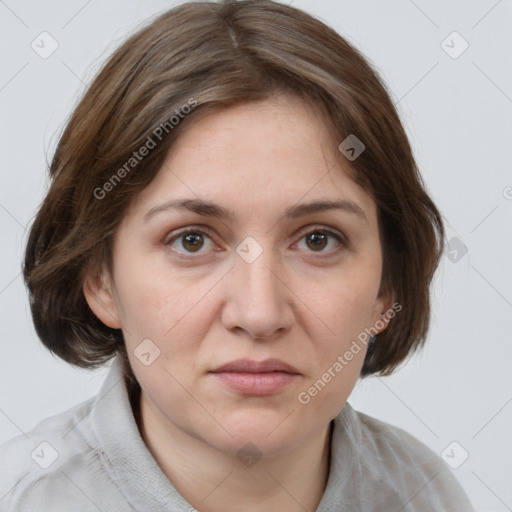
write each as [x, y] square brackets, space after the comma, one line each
[250, 366]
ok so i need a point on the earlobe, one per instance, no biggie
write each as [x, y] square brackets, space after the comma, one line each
[99, 295]
[382, 316]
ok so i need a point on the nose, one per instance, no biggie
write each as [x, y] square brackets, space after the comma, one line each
[258, 300]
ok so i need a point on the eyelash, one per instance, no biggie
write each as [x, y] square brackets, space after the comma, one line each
[340, 238]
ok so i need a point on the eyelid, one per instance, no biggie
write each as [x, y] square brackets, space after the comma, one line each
[189, 229]
[324, 229]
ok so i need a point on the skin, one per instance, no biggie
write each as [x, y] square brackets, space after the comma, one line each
[299, 302]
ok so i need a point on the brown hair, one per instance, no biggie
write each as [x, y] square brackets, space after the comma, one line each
[211, 55]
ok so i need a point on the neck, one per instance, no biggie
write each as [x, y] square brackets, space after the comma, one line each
[208, 478]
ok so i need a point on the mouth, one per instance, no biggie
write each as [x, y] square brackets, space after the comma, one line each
[249, 366]
[256, 378]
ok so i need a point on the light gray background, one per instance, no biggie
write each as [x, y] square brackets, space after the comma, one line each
[457, 113]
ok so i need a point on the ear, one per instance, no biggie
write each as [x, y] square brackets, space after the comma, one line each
[99, 295]
[381, 313]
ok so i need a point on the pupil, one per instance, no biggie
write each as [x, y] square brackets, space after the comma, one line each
[319, 240]
[195, 241]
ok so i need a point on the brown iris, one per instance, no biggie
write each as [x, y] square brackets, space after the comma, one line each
[193, 241]
[318, 240]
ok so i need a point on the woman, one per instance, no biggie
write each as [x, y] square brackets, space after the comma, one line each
[236, 219]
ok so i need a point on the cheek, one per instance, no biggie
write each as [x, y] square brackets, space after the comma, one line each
[175, 316]
[342, 304]
[343, 310]
[149, 297]
[324, 395]
[161, 387]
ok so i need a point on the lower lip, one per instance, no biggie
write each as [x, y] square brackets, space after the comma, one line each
[257, 384]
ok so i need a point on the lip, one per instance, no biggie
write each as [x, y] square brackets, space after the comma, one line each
[250, 366]
[256, 378]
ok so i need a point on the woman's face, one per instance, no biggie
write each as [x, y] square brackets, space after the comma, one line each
[260, 275]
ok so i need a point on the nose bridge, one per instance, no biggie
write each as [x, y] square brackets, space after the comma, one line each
[259, 276]
[259, 299]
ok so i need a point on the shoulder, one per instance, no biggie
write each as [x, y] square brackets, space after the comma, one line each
[381, 438]
[46, 466]
[402, 467]
[38, 448]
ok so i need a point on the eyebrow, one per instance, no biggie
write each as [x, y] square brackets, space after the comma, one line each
[209, 209]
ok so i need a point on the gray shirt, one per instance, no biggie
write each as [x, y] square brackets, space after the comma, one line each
[92, 458]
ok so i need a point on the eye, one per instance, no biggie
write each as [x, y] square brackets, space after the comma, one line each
[190, 241]
[317, 240]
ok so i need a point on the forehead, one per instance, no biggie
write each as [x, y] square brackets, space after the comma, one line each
[255, 158]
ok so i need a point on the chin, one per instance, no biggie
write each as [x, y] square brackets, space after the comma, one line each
[257, 445]
[272, 432]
